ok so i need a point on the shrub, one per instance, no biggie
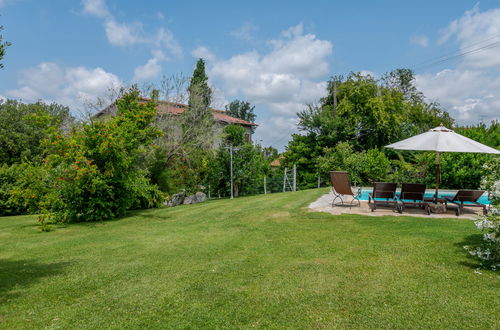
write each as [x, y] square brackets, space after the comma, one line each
[489, 251]
[363, 166]
[22, 187]
[8, 180]
[24, 127]
[94, 170]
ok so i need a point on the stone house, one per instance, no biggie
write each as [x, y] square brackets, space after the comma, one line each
[220, 116]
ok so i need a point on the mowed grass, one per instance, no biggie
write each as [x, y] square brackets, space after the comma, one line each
[262, 261]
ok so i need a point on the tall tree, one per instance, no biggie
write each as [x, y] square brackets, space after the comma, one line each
[241, 109]
[3, 47]
[366, 113]
[200, 94]
[23, 127]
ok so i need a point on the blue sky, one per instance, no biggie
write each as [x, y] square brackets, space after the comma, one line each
[276, 54]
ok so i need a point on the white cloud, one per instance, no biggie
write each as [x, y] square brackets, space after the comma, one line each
[474, 30]
[276, 131]
[70, 86]
[469, 95]
[96, 7]
[245, 31]
[282, 78]
[470, 90]
[281, 81]
[165, 38]
[204, 53]
[151, 69]
[420, 40]
[124, 34]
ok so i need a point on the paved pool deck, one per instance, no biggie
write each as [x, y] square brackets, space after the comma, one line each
[324, 204]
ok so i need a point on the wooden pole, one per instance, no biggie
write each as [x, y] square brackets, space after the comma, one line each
[265, 189]
[438, 172]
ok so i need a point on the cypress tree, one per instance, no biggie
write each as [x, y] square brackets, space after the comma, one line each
[200, 94]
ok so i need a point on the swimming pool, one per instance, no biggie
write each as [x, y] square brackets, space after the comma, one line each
[429, 193]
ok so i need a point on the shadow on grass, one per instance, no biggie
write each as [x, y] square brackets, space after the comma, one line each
[471, 240]
[15, 274]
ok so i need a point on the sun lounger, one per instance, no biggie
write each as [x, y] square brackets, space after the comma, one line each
[469, 197]
[412, 194]
[384, 193]
[341, 187]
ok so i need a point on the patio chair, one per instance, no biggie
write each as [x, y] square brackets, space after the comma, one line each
[470, 197]
[341, 187]
[412, 194]
[384, 193]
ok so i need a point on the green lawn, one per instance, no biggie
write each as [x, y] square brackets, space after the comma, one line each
[260, 261]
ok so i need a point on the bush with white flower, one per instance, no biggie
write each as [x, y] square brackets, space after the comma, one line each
[489, 251]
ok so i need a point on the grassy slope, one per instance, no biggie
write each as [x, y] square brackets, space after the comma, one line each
[258, 261]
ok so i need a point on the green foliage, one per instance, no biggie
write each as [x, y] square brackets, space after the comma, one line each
[23, 127]
[304, 151]
[22, 188]
[363, 167]
[234, 135]
[371, 114]
[488, 252]
[94, 171]
[241, 109]
[200, 94]
[249, 166]
[178, 160]
[415, 171]
[3, 47]
[8, 179]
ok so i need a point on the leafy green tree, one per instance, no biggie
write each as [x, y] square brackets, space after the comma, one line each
[200, 94]
[23, 127]
[95, 170]
[366, 113]
[233, 135]
[304, 152]
[363, 167]
[178, 160]
[402, 80]
[249, 165]
[3, 47]
[241, 109]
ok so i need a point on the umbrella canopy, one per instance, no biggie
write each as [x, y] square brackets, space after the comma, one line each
[442, 139]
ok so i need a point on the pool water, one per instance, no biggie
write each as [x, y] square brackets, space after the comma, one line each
[428, 194]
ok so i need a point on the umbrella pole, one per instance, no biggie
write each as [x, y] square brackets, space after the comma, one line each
[438, 171]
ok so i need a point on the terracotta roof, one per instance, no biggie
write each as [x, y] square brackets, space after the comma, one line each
[219, 115]
[276, 162]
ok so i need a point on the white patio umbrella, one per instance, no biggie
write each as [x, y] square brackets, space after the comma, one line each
[442, 139]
